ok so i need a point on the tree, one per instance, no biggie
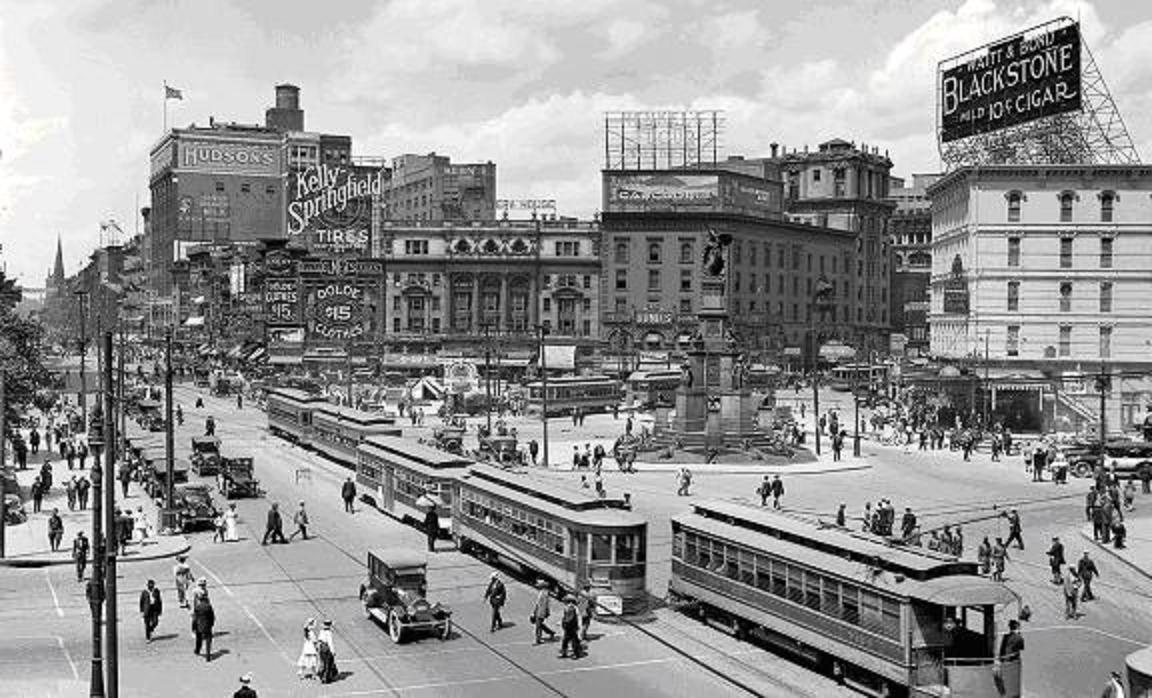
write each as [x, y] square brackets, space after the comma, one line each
[27, 381]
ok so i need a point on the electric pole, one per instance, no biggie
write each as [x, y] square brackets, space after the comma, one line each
[488, 376]
[82, 296]
[3, 462]
[112, 620]
[169, 445]
[543, 390]
[95, 588]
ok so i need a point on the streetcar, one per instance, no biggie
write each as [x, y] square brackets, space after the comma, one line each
[338, 431]
[647, 387]
[404, 479]
[290, 413]
[847, 377]
[890, 620]
[564, 535]
[567, 394]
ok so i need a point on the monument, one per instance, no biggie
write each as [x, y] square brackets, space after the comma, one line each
[714, 408]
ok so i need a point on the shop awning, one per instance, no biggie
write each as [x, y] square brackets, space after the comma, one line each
[197, 321]
[560, 358]
[198, 300]
[283, 359]
[259, 352]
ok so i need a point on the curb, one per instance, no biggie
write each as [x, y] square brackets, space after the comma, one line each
[1086, 533]
[33, 562]
[723, 469]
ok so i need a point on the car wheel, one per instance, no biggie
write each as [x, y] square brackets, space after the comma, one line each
[394, 630]
[1082, 469]
[446, 631]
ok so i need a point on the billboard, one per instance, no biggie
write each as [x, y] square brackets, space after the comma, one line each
[753, 197]
[336, 311]
[661, 191]
[1023, 78]
[330, 207]
[215, 156]
[281, 301]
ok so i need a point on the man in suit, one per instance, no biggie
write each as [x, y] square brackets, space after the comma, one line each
[80, 548]
[203, 620]
[274, 527]
[245, 690]
[150, 608]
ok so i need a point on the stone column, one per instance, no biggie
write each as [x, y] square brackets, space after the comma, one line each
[475, 303]
[505, 304]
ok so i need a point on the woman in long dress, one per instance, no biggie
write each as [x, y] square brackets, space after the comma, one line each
[308, 662]
[326, 650]
[231, 520]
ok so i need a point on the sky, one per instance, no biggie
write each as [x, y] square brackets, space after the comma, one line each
[522, 83]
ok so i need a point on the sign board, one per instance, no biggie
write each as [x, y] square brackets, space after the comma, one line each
[609, 605]
[1016, 80]
[661, 191]
[333, 204]
[337, 311]
[216, 156]
[281, 302]
[289, 338]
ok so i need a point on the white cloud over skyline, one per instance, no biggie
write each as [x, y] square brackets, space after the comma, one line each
[521, 84]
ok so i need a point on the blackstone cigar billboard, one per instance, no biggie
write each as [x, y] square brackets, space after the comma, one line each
[1026, 77]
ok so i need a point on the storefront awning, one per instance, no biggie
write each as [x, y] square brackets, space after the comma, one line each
[560, 358]
[197, 321]
[283, 359]
[259, 352]
[198, 300]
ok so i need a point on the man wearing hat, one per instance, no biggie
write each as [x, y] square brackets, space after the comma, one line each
[203, 621]
[274, 527]
[540, 612]
[245, 690]
[151, 606]
[182, 573]
[496, 595]
[570, 626]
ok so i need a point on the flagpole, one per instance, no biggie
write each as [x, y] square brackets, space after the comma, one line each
[165, 106]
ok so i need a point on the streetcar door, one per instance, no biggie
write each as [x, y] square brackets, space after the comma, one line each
[578, 543]
[387, 491]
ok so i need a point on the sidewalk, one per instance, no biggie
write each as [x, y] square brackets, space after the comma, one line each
[1137, 552]
[27, 543]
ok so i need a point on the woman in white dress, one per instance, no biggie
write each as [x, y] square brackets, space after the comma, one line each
[307, 663]
[231, 520]
[140, 525]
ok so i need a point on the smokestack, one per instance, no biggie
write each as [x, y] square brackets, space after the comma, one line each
[774, 147]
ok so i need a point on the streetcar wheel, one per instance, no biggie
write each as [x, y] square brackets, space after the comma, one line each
[1082, 469]
[446, 631]
[394, 629]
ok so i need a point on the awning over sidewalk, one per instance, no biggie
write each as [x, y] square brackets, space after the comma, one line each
[285, 359]
[560, 358]
[197, 321]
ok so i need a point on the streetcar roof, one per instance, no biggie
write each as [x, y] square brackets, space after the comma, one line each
[574, 504]
[577, 380]
[966, 590]
[392, 447]
[829, 541]
[353, 415]
[295, 394]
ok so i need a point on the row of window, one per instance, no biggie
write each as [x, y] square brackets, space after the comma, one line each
[1067, 203]
[687, 255]
[489, 303]
[818, 592]
[1063, 346]
[1105, 296]
[435, 279]
[1066, 248]
[566, 325]
[525, 525]
[578, 392]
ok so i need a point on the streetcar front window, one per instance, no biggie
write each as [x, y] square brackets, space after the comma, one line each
[601, 548]
[625, 548]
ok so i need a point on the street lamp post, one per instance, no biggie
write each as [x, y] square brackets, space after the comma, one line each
[95, 588]
[82, 296]
[111, 626]
[542, 331]
[169, 445]
[488, 375]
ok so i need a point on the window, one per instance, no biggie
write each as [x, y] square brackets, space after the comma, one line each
[812, 591]
[1106, 297]
[685, 305]
[780, 256]
[1105, 253]
[1013, 296]
[621, 279]
[547, 305]
[1066, 296]
[738, 252]
[1066, 253]
[653, 279]
[816, 175]
[1065, 348]
[752, 254]
[654, 253]
[601, 547]
[1014, 198]
[793, 185]
[685, 279]
[567, 248]
[850, 604]
[621, 305]
[1066, 199]
[685, 252]
[415, 247]
[245, 188]
[625, 548]
[1107, 199]
[838, 182]
[1012, 342]
[621, 252]
[1105, 342]
[796, 253]
[1013, 252]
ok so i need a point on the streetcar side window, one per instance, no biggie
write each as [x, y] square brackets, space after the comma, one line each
[747, 568]
[704, 551]
[850, 604]
[717, 557]
[690, 546]
[795, 585]
[601, 547]
[779, 581]
[830, 605]
[763, 573]
[625, 548]
[732, 570]
[812, 591]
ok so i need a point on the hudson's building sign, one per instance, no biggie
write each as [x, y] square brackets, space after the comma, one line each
[229, 158]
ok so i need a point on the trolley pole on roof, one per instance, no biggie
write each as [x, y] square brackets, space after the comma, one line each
[542, 330]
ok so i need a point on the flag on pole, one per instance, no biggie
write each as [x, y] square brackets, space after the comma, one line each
[172, 93]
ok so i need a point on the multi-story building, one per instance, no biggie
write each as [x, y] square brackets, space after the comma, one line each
[910, 232]
[783, 277]
[431, 188]
[845, 187]
[446, 282]
[1045, 268]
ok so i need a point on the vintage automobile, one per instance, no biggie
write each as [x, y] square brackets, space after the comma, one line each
[1126, 456]
[193, 506]
[449, 438]
[394, 596]
[500, 449]
[205, 455]
[14, 510]
[237, 478]
[154, 473]
[150, 418]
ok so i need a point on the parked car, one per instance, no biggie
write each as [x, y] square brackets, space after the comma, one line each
[1128, 456]
[394, 596]
[205, 455]
[194, 506]
[237, 477]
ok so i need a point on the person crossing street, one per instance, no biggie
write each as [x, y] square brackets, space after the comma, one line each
[80, 549]
[496, 596]
[1056, 559]
[274, 526]
[1014, 529]
[348, 494]
[300, 518]
[1087, 571]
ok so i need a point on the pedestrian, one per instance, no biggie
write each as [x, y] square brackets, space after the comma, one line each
[837, 445]
[907, 523]
[125, 478]
[540, 612]
[1119, 534]
[867, 527]
[586, 604]
[685, 482]
[984, 555]
[82, 487]
[124, 523]
[70, 491]
[182, 574]
[309, 662]
[70, 454]
[1087, 571]
[777, 491]
[1100, 529]
[348, 494]
[958, 543]
[821, 423]
[1071, 585]
[37, 494]
[1146, 478]
[210, 426]
[300, 518]
[82, 454]
[496, 596]
[203, 621]
[218, 528]
[326, 654]
[765, 491]
[999, 557]
[80, 548]
[231, 524]
[198, 592]
[239, 401]
[151, 606]
[34, 440]
[534, 449]
[179, 415]
[55, 530]
[1039, 461]
[1130, 495]
[274, 526]
[432, 527]
[841, 516]
[141, 525]
[570, 627]
[245, 690]
[1056, 558]
[1012, 644]
[1014, 529]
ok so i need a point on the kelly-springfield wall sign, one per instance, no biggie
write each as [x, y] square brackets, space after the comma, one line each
[331, 198]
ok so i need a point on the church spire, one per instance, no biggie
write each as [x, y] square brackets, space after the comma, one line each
[58, 270]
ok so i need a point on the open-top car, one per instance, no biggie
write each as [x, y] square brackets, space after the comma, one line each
[237, 477]
[194, 506]
[150, 418]
[395, 596]
[500, 449]
[205, 455]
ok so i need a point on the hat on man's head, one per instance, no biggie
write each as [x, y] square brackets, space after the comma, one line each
[541, 584]
[246, 679]
[202, 582]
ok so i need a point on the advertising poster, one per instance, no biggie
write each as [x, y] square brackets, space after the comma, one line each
[661, 192]
[336, 311]
[330, 208]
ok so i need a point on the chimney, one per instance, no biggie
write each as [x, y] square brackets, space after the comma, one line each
[774, 147]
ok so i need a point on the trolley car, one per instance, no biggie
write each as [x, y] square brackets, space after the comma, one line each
[403, 478]
[647, 387]
[567, 394]
[565, 535]
[337, 432]
[906, 621]
[290, 413]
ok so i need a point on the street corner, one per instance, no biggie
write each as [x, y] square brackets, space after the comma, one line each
[1137, 552]
[163, 547]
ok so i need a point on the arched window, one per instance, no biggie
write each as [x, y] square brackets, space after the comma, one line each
[1066, 199]
[685, 253]
[622, 252]
[1014, 199]
[654, 253]
[1107, 200]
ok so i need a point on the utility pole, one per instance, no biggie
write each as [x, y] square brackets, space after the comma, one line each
[856, 409]
[122, 433]
[815, 393]
[987, 388]
[1103, 385]
[82, 296]
[169, 445]
[112, 621]
[3, 462]
[543, 390]
[95, 588]
[488, 375]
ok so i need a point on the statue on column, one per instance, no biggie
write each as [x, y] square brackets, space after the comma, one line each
[686, 377]
[714, 253]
